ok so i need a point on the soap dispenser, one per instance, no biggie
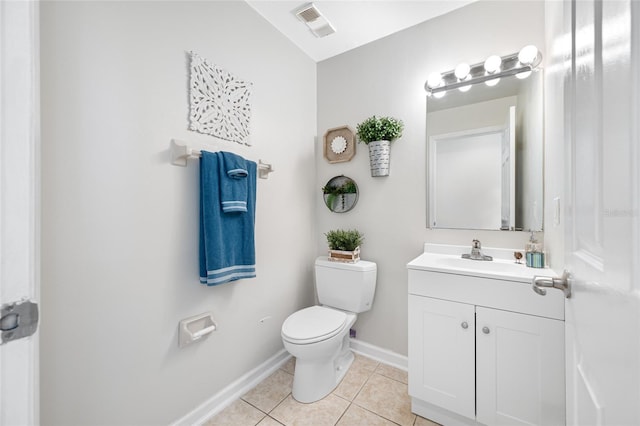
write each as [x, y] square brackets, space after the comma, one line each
[533, 253]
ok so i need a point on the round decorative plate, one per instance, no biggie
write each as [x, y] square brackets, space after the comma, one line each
[339, 144]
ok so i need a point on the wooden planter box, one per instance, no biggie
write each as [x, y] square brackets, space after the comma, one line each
[345, 256]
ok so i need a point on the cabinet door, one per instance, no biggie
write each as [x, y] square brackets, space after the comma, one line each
[519, 369]
[441, 354]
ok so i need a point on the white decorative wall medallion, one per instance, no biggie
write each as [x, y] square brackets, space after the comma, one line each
[339, 144]
[219, 102]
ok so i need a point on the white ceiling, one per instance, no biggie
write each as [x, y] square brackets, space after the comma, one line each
[356, 22]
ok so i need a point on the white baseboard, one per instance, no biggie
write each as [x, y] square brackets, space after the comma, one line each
[235, 390]
[382, 355]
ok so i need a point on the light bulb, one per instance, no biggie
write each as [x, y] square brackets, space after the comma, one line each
[492, 64]
[492, 83]
[434, 80]
[464, 88]
[462, 71]
[522, 75]
[439, 95]
[528, 54]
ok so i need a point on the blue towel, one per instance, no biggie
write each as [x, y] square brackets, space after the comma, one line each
[227, 243]
[233, 182]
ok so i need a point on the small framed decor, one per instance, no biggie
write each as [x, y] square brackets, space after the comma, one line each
[339, 144]
[219, 102]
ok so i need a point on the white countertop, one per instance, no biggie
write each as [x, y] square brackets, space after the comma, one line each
[447, 259]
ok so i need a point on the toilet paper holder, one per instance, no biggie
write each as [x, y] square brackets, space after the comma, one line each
[195, 328]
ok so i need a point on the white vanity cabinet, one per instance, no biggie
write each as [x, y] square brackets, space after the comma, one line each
[484, 350]
[519, 369]
[442, 354]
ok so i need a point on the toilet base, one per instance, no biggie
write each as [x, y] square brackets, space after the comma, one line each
[315, 379]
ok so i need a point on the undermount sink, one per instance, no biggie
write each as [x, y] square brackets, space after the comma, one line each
[501, 267]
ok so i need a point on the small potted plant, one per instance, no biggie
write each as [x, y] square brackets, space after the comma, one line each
[378, 133]
[344, 245]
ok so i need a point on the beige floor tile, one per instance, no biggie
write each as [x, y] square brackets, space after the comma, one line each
[421, 421]
[352, 382]
[268, 421]
[325, 412]
[271, 391]
[364, 363]
[393, 373]
[237, 414]
[361, 369]
[387, 398]
[358, 416]
[290, 366]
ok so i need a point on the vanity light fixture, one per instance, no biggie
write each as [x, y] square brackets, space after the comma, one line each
[435, 80]
[492, 67]
[462, 71]
[520, 64]
[462, 74]
[492, 64]
[527, 56]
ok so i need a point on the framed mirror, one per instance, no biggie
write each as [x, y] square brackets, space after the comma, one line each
[340, 194]
[485, 156]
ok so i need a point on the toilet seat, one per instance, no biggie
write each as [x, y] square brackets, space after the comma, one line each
[313, 324]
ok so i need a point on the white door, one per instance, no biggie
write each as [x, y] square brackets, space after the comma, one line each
[602, 225]
[442, 353]
[19, 136]
[519, 369]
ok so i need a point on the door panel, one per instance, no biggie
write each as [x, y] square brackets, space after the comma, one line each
[519, 369]
[441, 354]
[602, 222]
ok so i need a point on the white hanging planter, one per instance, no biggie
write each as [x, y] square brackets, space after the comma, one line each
[379, 157]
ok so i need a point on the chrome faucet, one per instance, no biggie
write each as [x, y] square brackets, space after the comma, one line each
[476, 252]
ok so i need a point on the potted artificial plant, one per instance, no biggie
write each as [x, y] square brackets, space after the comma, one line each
[378, 133]
[344, 245]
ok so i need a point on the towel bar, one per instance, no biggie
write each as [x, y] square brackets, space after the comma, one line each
[181, 152]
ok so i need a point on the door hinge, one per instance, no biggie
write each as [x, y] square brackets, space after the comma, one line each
[18, 320]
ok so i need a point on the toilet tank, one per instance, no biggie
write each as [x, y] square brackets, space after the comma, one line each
[346, 286]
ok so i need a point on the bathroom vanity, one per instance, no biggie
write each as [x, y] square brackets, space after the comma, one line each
[484, 348]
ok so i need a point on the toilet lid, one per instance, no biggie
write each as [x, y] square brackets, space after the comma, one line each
[313, 324]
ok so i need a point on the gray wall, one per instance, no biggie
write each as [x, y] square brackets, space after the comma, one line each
[120, 223]
[387, 77]
[119, 231]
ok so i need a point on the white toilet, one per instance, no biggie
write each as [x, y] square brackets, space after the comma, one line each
[319, 336]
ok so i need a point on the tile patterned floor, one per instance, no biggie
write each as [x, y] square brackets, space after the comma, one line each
[370, 394]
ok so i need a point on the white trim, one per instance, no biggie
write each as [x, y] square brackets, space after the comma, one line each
[439, 414]
[379, 354]
[235, 390]
[19, 201]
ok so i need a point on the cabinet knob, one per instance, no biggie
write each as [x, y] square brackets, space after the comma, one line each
[486, 330]
[464, 325]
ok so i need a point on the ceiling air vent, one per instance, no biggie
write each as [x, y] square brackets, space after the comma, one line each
[308, 13]
[318, 24]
